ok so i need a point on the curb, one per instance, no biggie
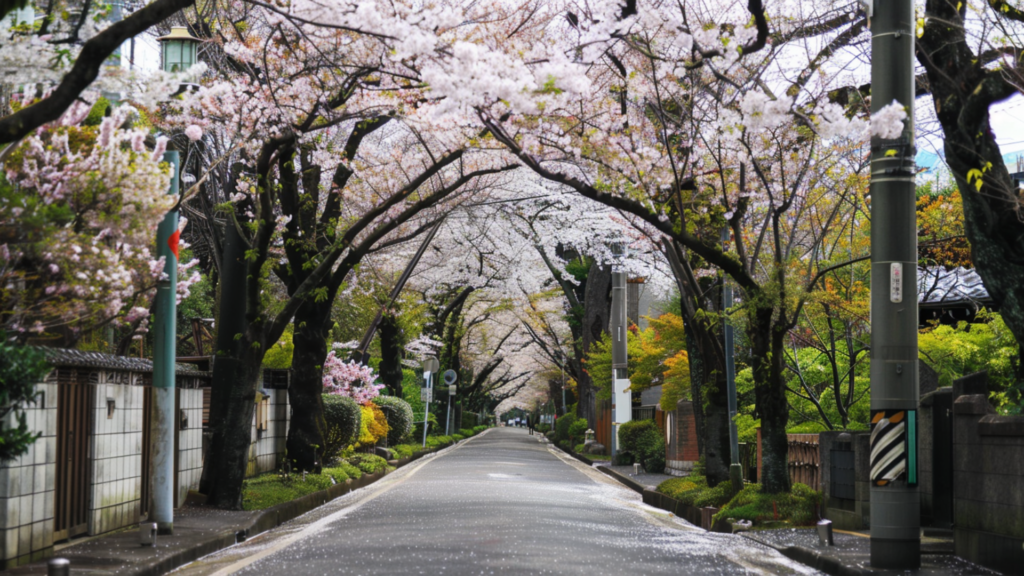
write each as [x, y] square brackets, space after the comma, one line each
[814, 559]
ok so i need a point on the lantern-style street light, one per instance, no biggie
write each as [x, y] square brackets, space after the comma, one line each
[178, 49]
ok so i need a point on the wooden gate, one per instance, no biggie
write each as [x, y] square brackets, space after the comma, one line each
[74, 423]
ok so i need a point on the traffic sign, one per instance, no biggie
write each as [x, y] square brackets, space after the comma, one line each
[430, 364]
[451, 390]
[450, 377]
[426, 394]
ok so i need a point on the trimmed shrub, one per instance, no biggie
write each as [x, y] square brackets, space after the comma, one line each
[479, 429]
[799, 507]
[343, 418]
[562, 426]
[373, 426]
[577, 430]
[369, 463]
[466, 432]
[642, 439]
[399, 416]
[543, 428]
[578, 448]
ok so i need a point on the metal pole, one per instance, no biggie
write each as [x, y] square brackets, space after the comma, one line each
[426, 413]
[622, 403]
[895, 501]
[735, 472]
[448, 416]
[562, 368]
[164, 338]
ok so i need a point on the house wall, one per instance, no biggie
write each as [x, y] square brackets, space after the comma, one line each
[27, 487]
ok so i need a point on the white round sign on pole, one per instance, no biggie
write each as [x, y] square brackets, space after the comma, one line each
[450, 377]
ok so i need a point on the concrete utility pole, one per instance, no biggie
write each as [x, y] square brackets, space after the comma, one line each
[735, 471]
[164, 355]
[895, 502]
[622, 401]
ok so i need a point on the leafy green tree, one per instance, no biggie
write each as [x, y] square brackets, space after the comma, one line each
[21, 368]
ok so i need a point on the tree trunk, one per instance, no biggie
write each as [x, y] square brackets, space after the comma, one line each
[391, 346]
[223, 475]
[231, 324]
[597, 304]
[305, 394]
[770, 391]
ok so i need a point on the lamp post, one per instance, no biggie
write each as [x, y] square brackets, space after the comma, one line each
[895, 501]
[178, 49]
[164, 356]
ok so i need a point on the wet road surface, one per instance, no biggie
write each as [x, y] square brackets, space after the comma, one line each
[499, 503]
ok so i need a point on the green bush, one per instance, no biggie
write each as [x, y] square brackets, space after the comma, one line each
[369, 463]
[643, 440]
[578, 448]
[337, 472]
[342, 416]
[270, 489]
[399, 415]
[578, 429]
[480, 428]
[799, 507]
[562, 426]
[543, 428]
[565, 445]
[458, 437]
[404, 450]
[466, 432]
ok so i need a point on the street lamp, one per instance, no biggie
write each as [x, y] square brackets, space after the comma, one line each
[178, 49]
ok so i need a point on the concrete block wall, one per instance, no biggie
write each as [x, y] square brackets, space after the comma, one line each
[268, 446]
[681, 443]
[988, 472]
[27, 487]
[116, 444]
[190, 442]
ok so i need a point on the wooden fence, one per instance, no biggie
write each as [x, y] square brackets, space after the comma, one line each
[804, 459]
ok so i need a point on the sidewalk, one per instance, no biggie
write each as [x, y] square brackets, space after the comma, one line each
[198, 531]
[852, 552]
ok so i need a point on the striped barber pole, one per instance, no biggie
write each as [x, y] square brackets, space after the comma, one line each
[893, 446]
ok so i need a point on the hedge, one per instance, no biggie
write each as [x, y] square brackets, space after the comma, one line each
[399, 415]
[343, 418]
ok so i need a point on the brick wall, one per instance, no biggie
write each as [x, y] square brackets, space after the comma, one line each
[681, 441]
[27, 488]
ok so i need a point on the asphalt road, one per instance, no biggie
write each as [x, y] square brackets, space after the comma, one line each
[500, 503]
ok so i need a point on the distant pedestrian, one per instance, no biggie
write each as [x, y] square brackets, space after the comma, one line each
[529, 424]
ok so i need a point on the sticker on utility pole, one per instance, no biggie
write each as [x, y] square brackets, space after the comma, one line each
[896, 282]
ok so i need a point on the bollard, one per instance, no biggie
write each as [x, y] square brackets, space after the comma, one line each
[825, 533]
[147, 533]
[636, 469]
[58, 567]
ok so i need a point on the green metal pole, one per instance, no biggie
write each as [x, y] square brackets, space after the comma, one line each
[895, 502]
[735, 472]
[164, 355]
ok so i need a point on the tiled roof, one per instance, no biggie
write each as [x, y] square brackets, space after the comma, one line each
[66, 358]
[936, 285]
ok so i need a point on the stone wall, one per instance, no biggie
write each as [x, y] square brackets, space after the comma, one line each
[681, 439]
[27, 488]
[988, 473]
[846, 514]
[116, 449]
